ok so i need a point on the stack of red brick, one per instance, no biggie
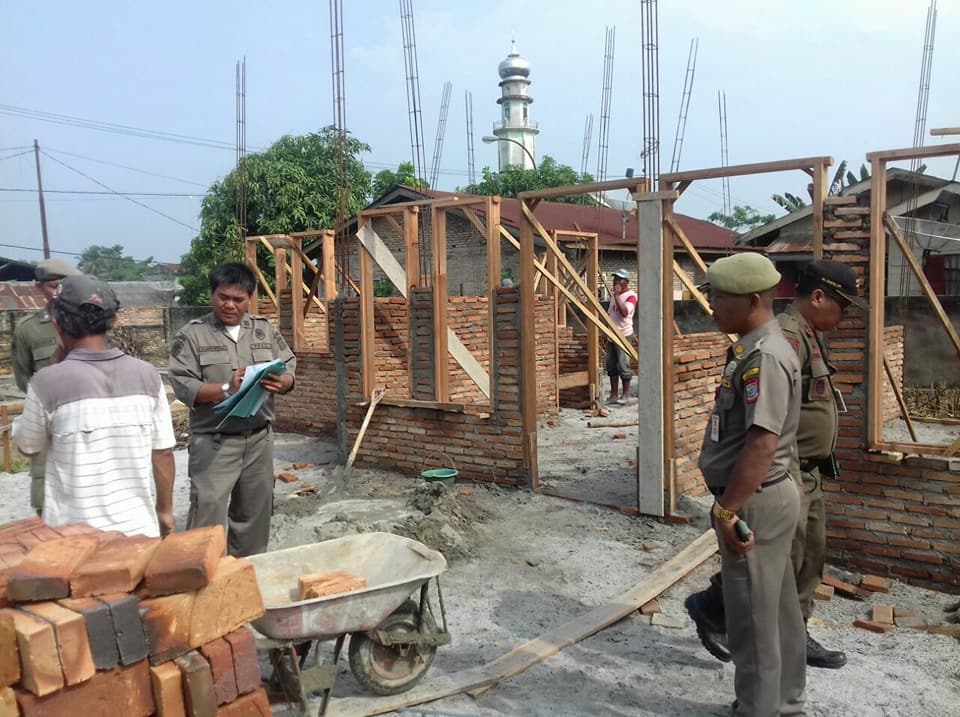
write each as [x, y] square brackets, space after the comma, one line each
[96, 623]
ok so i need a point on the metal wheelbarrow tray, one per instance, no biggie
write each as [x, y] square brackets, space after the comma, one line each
[393, 566]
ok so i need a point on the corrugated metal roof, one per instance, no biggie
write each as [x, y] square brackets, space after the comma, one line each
[25, 296]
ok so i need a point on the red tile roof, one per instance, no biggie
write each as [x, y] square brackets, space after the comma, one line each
[607, 222]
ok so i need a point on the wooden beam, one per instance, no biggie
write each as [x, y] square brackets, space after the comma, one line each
[368, 367]
[250, 256]
[414, 403]
[539, 649]
[820, 189]
[633, 184]
[280, 274]
[329, 262]
[528, 349]
[687, 244]
[573, 380]
[683, 186]
[738, 170]
[465, 200]
[698, 295]
[441, 368]
[377, 248]
[592, 300]
[411, 248]
[952, 449]
[944, 131]
[894, 155]
[349, 279]
[593, 331]
[394, 224]
[898, 394]
[917, 449]
[923, 281]
[494, 269]
[877, 288]
[297, 304]
[295, 247]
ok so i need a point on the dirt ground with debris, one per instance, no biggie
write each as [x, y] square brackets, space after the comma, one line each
[522, 563]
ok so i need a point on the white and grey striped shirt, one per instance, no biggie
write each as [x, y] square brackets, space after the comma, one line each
[99, 415]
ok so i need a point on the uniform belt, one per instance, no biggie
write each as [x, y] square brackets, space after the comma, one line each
[245, 434]
[718, 490]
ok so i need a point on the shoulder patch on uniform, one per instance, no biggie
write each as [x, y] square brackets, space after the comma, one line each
[177, 347]
[260, 334]
[196, 321]
[755, 371]
[794, 343]
[751, 390]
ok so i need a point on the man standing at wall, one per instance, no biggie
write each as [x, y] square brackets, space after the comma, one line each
[825, 289]
[623, 305]
[230, 465]
[33, 346]
[748, 460]
[104, 421]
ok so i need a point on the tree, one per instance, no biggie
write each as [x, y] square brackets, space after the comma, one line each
[291, 186]
[387, 179]
[741, 218]
[514, 180]
[111, 264]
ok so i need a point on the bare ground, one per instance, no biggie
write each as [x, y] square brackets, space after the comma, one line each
[522, 563]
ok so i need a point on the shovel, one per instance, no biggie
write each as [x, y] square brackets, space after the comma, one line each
[341, 476]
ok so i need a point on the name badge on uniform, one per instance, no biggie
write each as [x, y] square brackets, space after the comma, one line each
[715, 427]
[841, 404]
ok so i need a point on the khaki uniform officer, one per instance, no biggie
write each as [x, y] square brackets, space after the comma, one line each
[748, 458]
[230, 466]
[33, 347]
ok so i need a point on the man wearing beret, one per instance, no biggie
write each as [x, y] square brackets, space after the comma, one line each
[824, 290]
[104, 421]
[749, 461]
[34, 346]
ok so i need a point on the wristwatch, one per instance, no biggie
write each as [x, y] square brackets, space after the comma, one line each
[226, 390]
[722, 513]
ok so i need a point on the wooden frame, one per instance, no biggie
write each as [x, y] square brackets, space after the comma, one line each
[882, 226]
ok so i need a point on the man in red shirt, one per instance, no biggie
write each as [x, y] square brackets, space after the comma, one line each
[623, 304]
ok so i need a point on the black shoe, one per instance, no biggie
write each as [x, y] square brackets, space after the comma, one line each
[711, 631]
[819, 656]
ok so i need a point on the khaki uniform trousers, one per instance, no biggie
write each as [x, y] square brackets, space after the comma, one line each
[231, 484]
[764, 625]
[808, 554]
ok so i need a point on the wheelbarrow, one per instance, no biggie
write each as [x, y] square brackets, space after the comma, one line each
[393, 633]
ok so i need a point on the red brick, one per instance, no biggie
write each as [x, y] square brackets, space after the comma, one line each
[883, 614]
[875, 583]
[76, 661]
[115, 568]
[45, 572]
[231, 600]
[953, 630]
[124, 692]
[8, 703]
[245, 664]
[185, 561]
[923, 557]
[254, 704]
[9, 653]
[220, 657]
[166, 622]
[167, 686]
[198, 693]
[39, 663]
[872, 626]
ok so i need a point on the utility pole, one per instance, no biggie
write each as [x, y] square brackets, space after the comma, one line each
[43, 211]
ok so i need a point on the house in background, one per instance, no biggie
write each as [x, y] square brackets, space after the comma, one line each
[16, 270]
[927, 210]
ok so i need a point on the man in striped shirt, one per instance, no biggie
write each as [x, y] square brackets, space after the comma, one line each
[104, 420]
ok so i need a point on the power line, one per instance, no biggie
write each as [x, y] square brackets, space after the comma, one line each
[129, 199]
[94, 192]
[18, 154]
[33, 248]
[125, 166]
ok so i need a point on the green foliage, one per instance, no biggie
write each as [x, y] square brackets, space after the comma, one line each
[111, 264]
[514, 180]
[741, 218]
[292, 186]
[387, 179]
[790, 202]
[383, 287]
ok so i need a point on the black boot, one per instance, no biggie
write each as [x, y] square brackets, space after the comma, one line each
[709, 619]
[819, 656]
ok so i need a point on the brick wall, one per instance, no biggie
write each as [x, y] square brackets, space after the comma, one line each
[893, 350]
[697, 364]
[571, 358]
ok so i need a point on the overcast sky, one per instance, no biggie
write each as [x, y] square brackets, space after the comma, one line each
[818, 77]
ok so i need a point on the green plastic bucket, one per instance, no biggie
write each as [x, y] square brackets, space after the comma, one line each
[446, 476]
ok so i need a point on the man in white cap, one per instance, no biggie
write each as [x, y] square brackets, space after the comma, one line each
[34, 345]
[623, 305]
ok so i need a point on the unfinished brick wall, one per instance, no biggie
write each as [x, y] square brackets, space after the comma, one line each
[893, 350]
[571, 358]
[890, 518]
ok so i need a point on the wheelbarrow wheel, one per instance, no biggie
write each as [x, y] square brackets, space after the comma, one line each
[391, 669]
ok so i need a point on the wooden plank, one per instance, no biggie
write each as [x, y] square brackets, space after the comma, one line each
[650, 377]
[441, 367]
[923, 281]
[944, 131]
[573, 380]
[411, 249]
[528, 349]
[329, 264]
[877, 289]
[381, 253]
[456, 201]
[819, 195]
[634, 184]
[296, 299]
[687, 244]
[953, 448]
[914, 449]
[893, 155]
[738, 170]
[415, 403]
[494, 270]
[368, 367]
[250, 256]
[536, 651]
[593, 331]
[280, 273]
[898, 394]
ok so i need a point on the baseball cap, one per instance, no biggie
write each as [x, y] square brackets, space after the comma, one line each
[744, 273]
[837, 278]
[622, 274]
[83, 289]
[53, 269]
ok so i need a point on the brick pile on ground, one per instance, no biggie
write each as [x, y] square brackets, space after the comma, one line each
[97, 623]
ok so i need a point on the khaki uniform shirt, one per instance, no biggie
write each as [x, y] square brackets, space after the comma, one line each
[33, 344]
[760, 386]
[203, 352]
[817, 432]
